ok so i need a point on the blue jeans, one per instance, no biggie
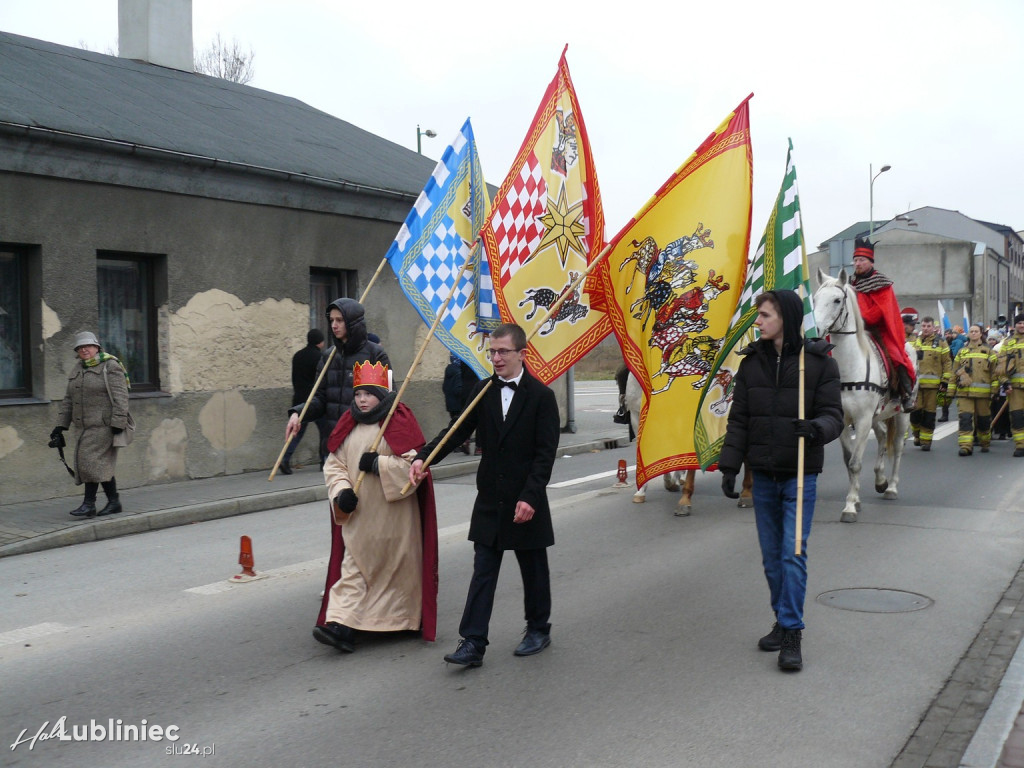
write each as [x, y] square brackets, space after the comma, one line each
[775, 516]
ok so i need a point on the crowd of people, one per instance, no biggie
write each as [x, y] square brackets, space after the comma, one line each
[979, 372]
[382, 573]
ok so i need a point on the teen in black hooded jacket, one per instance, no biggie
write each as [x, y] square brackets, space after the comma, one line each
[764, 429]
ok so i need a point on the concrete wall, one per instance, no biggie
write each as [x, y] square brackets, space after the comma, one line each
[233, 293]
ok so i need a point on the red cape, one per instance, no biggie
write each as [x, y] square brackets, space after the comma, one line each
[403, 434]
[881, 312]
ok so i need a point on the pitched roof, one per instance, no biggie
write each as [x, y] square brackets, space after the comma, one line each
[105, 97]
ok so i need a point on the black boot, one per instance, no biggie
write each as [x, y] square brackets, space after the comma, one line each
[773, 640]
[945, 413]
[789, 657]
[87, 509]
[112, 508]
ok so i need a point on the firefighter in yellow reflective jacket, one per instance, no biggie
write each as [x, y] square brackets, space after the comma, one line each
[1011, 369]
[934, 366]
[974, 370]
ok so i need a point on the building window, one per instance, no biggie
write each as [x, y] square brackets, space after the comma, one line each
[325, 286]
[15, 349]
[127, 315]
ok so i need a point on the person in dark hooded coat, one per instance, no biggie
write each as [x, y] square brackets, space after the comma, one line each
[764, 429]
[334, 395]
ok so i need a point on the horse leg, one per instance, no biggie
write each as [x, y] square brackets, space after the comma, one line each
[685, 505]
[898, 427]
[671, 480]
[881, 437]
[747, 494]
[853, 447]
[641, 495]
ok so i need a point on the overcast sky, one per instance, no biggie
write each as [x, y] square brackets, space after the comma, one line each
[930, 87]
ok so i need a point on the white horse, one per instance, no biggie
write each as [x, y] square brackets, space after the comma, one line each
[673, 480]
[866, 403]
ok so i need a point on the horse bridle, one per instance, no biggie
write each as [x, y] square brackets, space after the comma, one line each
[841, 319]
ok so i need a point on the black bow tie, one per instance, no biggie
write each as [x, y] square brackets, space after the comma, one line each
[510, 384]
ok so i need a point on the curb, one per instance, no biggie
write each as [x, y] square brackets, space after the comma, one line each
[154, 520]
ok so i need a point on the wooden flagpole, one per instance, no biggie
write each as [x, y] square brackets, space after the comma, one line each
[540, 324]
[416, 361]
[320, 378]
[800, 446]
[302, 413]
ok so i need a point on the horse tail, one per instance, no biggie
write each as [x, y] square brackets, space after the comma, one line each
[892, 425]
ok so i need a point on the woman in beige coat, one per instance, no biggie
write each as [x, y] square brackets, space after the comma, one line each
[96, 403]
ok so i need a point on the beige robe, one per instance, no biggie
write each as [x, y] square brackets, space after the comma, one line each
[380, 588]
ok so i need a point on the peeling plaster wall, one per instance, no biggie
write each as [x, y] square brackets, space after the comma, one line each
[231, 299]
[231, 293]
[220, 342]
[51, 322]
[9, 441]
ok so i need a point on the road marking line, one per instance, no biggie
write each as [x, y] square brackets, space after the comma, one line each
[288, 570]
[33, 632]
[588, 478]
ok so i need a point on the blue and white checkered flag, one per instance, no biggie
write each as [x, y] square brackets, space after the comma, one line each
[434, 245]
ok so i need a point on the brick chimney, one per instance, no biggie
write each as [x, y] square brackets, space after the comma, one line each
[156, 31]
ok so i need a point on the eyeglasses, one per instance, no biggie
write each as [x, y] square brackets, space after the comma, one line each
[501, 352]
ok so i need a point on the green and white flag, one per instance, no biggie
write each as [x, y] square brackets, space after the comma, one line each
[780, 262]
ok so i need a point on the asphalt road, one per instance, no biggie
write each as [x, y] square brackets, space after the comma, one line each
[653, 661]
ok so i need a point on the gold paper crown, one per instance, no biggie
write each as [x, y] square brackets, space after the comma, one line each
[370, 375]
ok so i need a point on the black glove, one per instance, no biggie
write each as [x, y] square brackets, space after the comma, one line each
[57, 438]
[805, 428]
[368, 462]
[729, 484]
[944, 386]
[346, 500]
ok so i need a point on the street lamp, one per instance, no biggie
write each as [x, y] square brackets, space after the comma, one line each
[419, 144]
[871, 197]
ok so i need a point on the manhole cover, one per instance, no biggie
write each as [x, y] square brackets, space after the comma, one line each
[873, 600]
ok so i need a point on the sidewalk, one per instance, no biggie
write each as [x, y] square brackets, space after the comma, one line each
[38, 525]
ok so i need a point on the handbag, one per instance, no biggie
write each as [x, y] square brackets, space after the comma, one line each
[123, 438]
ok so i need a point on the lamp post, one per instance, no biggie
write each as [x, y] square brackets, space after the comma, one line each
[871, 197]
[419, 134]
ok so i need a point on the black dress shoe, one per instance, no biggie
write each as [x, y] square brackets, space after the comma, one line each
[87, 509]
[466, 655]
[286, 467]
[112, 508]
[334, 634]
[534, 641]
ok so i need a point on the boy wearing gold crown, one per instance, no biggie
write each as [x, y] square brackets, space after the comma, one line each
[382, 574]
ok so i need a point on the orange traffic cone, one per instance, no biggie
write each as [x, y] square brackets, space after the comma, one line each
[245, 559]
[621, 474]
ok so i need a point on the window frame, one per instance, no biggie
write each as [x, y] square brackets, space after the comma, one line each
[22, 256]
[150, 263]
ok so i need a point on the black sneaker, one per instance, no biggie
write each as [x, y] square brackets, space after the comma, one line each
[789, 655]
[773, 640]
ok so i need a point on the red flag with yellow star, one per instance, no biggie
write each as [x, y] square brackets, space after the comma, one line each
[546, 226]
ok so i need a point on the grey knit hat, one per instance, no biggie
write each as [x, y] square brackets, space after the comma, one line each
[85, 337]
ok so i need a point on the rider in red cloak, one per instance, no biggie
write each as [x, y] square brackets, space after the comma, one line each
[881, 314]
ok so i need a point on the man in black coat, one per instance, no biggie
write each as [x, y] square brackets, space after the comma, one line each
[304, 367]
[764, 429]
[333, 397]
[517, 425]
